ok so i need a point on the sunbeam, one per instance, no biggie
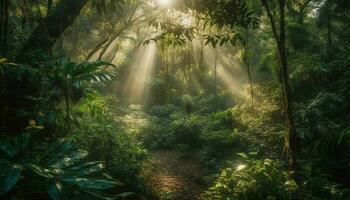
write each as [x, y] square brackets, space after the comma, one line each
[229, 72]
[135, 90]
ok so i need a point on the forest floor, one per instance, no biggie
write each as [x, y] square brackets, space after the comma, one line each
[174, 175]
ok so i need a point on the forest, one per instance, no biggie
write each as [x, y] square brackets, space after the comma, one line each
[174, 99]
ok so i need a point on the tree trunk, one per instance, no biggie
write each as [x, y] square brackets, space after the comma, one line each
[3, 97]
[329, 30]
[201, 59]
[216, 73]
[98, 47]
[189, 70]
[291, 138]
[66, 98]
[247, 64]
[5, 6]
[2, 6]
[53, 25]
[76, 43]
[49, 6]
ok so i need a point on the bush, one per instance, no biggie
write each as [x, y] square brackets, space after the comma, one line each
[187, 130]
[105, 141]
[32, 168]
[163, 111]
[156, 134]
[262, 179]
[222, 143]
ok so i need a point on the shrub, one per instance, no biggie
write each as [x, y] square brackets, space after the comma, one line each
[261, 179]
[187, 130]
[105, 141]
[32, 168]
[163, 111]
[156, 134]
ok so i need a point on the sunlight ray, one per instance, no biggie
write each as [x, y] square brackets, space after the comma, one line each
[229, 73]
[135, 90]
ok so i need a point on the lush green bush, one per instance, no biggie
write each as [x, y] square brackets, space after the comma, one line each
[106, 141]
[206, 103]
[269, 179]
[156, 134]
[187, 130]
[163, 111]
[262, 179]
[32, 168]
[220, 145]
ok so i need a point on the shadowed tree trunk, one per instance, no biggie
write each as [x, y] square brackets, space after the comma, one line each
[291, 139]
[53, 25]
[49, 6]
[4, 23]
[247, 64]
[216, 73]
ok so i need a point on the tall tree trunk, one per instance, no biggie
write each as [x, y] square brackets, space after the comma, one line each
[329, 30]
[76, 43]
[247, 64]
[216, 73]
[201, 58]
[5, 6]
[49, 6]
[291, 138]
[24, 15]
[3, 97]
[2, 6]
[98, 47]
[189, 70]
[53, 25]
[66, 98]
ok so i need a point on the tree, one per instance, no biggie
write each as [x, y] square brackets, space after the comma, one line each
[291, 138]
[53, 25]
[70, 78]
[4, 23]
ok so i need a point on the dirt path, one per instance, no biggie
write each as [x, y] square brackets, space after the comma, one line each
[174, 176]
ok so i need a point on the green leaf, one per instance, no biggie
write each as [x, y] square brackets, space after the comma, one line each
[13, 145]
[9, 181]
[100, 196]
[91, 183]
[86, 168]
[58, 149]
[8, 148]
[40, 171]
[243, 155]
[70, 159]
[55, 191]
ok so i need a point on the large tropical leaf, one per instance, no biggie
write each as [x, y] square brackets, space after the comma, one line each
[91, 183]
[13, 145]
[9, 179]
[71, 159]
[55, 191]
[86, 168]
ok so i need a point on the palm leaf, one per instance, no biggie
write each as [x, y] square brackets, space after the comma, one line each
[10, 179]
[91, 183]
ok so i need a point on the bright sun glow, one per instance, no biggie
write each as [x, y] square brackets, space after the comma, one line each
[164, 2]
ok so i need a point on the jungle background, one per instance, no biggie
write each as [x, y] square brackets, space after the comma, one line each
[175, 99]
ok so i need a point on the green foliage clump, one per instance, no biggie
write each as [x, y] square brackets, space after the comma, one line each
[187, 130]
[163, 111]
[261, 179]
[106, 141]
[156, 134]
[34, 167]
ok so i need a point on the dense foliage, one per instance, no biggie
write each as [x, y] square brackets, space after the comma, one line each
[91, 90]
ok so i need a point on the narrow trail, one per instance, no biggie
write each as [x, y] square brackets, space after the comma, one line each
[174, 175]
